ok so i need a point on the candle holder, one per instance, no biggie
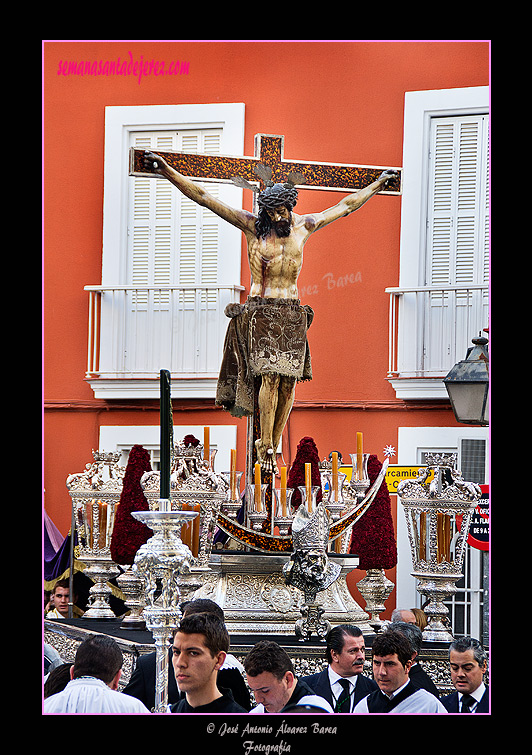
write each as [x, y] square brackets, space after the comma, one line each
[359, 482]
[438, 514]
[132, 587]
[309, 503]
[193, 485]
[336, 500]
[211, 455]
[283, 515]
[257, 513]
[232, 504]
[100, 569]
[95, 494]
[375, 588]
[160, 561]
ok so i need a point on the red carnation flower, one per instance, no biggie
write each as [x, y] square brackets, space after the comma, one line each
[306, 453]
[128, 533]
[373, 538]
[190, 440]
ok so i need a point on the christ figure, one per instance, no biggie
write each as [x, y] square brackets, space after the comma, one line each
[266, 336]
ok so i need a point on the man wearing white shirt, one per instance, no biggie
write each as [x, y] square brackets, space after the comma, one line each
[93, 688]
[392, 659]
[342, 683]
[469, 663]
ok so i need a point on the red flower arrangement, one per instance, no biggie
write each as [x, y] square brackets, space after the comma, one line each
[373, 538]
[128, 533]
[306, 452]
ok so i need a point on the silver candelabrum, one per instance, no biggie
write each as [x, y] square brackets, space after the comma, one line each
[309, 569]
[160, 562]
[341, 494]
[194, 486]
[95, 495]
[438, 507]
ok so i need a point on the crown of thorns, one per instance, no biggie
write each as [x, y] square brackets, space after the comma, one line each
[274, 194]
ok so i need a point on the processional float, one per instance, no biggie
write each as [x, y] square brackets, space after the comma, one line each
[283, 569]
[289, 556]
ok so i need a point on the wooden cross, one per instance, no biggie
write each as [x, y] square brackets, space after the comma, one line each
[269, 150]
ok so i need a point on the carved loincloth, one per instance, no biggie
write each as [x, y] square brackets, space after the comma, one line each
[264, 336]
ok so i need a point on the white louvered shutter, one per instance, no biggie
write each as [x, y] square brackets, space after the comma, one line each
[171, 241]
[457, 251]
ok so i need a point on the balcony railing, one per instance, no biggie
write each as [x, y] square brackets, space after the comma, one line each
[430, 328]
[134, 331]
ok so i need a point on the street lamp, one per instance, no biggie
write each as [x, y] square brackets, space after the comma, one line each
[468, 385]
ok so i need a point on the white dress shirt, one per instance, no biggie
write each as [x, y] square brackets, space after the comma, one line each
[91, 695]
[477, 694]
[337, 689]
[420, 701]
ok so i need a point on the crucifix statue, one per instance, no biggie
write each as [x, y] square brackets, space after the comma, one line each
[266, 351]
[266, 337]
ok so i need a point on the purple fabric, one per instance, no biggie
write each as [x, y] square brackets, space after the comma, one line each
[56, 551]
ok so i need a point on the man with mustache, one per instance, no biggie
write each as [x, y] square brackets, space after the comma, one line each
[343, 683]
[266, 336]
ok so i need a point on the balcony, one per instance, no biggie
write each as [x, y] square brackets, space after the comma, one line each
[135, 331]
[430, 329]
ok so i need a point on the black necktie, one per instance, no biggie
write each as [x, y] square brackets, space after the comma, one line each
[467, 703]
[343, 704]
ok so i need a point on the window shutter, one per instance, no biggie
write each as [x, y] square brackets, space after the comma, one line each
[457, 238]
[457, 249]
[171, 239]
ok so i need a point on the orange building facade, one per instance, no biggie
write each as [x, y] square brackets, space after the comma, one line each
[135, 280]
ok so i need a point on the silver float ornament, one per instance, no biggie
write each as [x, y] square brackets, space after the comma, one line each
[95, 494]
[193, 486]
[438, 510]
[160, 562]
[309, 569]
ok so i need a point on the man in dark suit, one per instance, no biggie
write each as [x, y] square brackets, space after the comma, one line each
[418, 675]
[469, 663]
[342, 683]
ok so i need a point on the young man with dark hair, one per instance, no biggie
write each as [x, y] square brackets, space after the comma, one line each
[198, 652]
[392, 659]
[271, 678]
[230, 676]
[418, 675]
[342, 683]
[59, 601]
